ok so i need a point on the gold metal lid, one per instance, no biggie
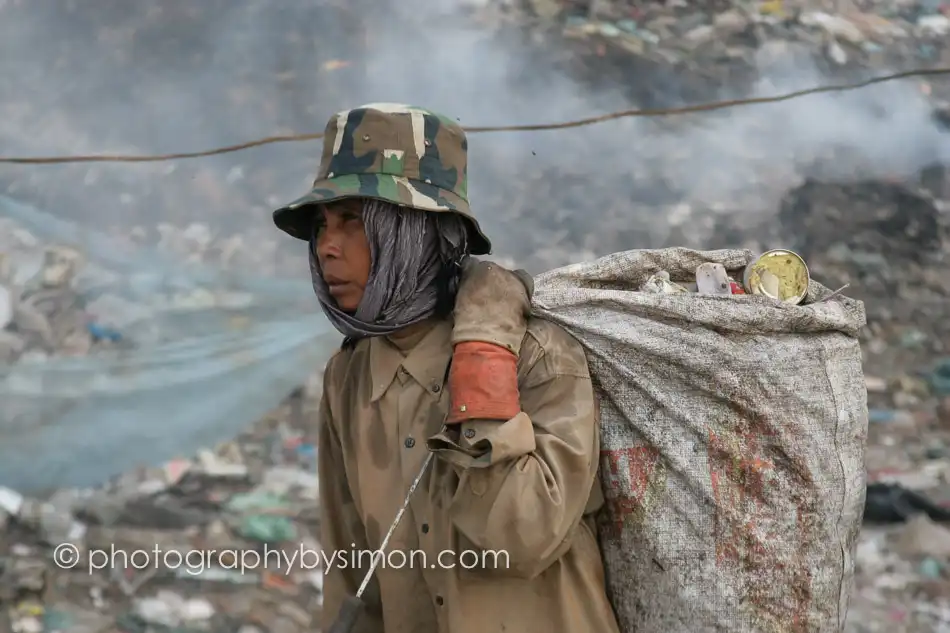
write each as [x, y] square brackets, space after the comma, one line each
[780, 274]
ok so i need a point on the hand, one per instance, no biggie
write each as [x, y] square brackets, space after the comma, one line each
[492, 305]
[491, 318]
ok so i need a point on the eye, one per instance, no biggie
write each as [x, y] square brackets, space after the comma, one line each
[318, 225]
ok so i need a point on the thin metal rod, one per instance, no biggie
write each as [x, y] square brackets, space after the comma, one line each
[392, 528]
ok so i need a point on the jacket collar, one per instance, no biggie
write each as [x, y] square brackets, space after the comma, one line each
[426, 362]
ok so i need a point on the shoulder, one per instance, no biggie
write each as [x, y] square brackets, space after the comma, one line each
[342, 367]
[548, 351]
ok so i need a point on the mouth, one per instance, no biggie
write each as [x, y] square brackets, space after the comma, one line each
[330, 280]
[336, 286]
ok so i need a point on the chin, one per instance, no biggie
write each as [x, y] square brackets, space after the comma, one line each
[347, 304]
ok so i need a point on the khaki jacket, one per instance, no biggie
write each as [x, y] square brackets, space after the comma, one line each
[499, 535]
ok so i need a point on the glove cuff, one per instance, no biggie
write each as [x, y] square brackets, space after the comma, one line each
[483, 383]
[507, 340]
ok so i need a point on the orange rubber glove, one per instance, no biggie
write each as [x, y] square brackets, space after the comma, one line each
[491, 318]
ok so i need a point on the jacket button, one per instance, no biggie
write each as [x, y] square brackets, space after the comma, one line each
[425, 528]
[410, 442]
[439, 601]
[469, 433]
[436, 388]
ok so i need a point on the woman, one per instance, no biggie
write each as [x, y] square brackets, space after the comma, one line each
[440, 355]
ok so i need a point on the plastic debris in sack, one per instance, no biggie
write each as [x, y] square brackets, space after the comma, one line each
[660, 284]
[712, 279]
[779, 274]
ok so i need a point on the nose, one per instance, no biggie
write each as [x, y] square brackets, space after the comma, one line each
[328, 243]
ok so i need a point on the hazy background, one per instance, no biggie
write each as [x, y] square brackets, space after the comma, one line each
[177, 75]
[164, 76]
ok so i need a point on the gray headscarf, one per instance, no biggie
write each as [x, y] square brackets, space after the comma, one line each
[415, 256]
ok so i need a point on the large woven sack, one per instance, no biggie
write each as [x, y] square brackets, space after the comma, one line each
[733, 444]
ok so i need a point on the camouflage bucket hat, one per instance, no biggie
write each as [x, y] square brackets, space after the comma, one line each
[397, 153]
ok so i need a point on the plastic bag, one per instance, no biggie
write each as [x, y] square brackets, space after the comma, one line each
[733, 444]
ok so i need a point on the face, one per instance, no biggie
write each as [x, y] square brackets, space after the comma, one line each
[343, 251]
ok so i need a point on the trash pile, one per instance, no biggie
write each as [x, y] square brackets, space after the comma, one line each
[903, 556]
[885, 236]
[725, 32]
[223, 542]
[127, 355]
[40, 311]
[55, 302]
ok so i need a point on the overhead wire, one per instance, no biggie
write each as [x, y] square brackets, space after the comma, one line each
[535, 127]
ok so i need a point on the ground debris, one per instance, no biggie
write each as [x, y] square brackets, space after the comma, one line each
[547, 200]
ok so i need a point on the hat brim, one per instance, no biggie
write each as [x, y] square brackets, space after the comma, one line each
[296, 218]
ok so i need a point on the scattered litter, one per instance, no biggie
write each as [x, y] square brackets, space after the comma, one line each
[58, 309]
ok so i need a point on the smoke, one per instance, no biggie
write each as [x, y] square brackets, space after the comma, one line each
[176, 75]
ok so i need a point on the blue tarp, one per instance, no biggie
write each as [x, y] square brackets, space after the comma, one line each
[189, 377]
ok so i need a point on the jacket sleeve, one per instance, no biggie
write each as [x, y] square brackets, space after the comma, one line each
[341, 532]
[524, 483]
